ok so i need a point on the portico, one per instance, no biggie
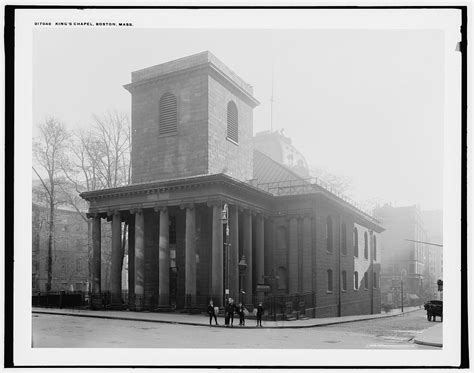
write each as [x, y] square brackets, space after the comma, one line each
[195, 205]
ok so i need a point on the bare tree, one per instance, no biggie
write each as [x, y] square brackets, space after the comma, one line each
[99, 158]
[49, 151]
[340, 184]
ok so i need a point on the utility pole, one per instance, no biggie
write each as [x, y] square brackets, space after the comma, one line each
[271, 104]
[401, 285]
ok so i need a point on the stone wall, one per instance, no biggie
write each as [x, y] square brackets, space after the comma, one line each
[224, 155]
[162, 157]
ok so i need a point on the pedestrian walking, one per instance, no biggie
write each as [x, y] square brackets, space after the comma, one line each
[212, 313]
[259, 314]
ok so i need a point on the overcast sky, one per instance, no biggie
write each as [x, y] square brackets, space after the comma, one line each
[366, 104]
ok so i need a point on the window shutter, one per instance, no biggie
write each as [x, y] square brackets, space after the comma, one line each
[232, 122]
[168, 120]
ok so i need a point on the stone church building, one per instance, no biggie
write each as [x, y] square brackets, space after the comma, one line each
[285, 237]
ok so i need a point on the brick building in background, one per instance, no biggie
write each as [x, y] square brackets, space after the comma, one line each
[193, 154]
[403, 259]
[433, 222]
[70, 254]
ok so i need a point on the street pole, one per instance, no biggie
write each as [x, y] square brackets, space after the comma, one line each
[401, 283]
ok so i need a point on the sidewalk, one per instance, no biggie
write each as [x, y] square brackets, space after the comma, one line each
[203, 319]
[432, 336]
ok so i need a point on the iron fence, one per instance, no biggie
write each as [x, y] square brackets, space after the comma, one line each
[276, 306]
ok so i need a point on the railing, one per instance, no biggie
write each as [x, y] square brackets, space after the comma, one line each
[276, 306]
[306, 186]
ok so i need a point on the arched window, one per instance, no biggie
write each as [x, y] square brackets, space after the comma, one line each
[366, 246]
[375, 248]
[344, 280]
[281, 273]
[329, 234]
[343, 239]
[168, 114]
[232, 122]
[356, 243]
[375, 280]
[356, 280]
[366, 281]
[329, 279]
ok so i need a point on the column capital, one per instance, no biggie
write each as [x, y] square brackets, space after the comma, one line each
[187, 205]
[160, 208]
[136, 211]
[214, 202]
[113, 213]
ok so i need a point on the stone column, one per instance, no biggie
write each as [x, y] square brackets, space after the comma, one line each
[217, 271]
[269, 248]
[234, 252]
[116, 265]
[131, 262]
[190, 257]
[247, 250]
[163, 259]
[307, 283]
[139, 260]
[260, 251]
[293, 255]
[96, 253]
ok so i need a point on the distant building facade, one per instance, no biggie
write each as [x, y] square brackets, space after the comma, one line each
[193, 154]
[403, 259]
[280, 148]
[433, 222]
[70, 252]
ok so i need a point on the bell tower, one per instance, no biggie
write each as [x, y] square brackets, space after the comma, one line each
[191, 117]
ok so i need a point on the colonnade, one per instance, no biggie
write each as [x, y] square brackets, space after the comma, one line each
[254, 254]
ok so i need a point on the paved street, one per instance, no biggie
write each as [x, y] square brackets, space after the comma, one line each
[68, 331]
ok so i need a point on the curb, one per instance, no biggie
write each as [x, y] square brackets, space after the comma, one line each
[217, 326]
[433, 344]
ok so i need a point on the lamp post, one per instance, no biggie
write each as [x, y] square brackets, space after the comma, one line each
[242, 268]
[225, 221]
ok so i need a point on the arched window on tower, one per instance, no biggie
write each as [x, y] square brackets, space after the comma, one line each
[366, 246]
[356, 280]
[232, 122]
[329, 234]
[168, 114]
[356, 242]
[343, 239]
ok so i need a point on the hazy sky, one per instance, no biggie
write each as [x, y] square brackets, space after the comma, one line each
[366, 104]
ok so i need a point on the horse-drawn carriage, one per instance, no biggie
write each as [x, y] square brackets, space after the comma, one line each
[434, 308]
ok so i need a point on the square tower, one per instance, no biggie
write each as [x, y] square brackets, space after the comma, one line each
[190, 117]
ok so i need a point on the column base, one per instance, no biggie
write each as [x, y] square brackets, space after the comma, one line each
[97, 302]
[138, 303]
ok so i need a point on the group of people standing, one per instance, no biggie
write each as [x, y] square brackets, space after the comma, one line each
[231, 309]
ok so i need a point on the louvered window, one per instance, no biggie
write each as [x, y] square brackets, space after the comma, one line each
[232, 122]
[168, 120]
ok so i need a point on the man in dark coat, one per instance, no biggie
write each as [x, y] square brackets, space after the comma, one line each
[211, 313]
[241, 312]
[230, 309]
[259, 314]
